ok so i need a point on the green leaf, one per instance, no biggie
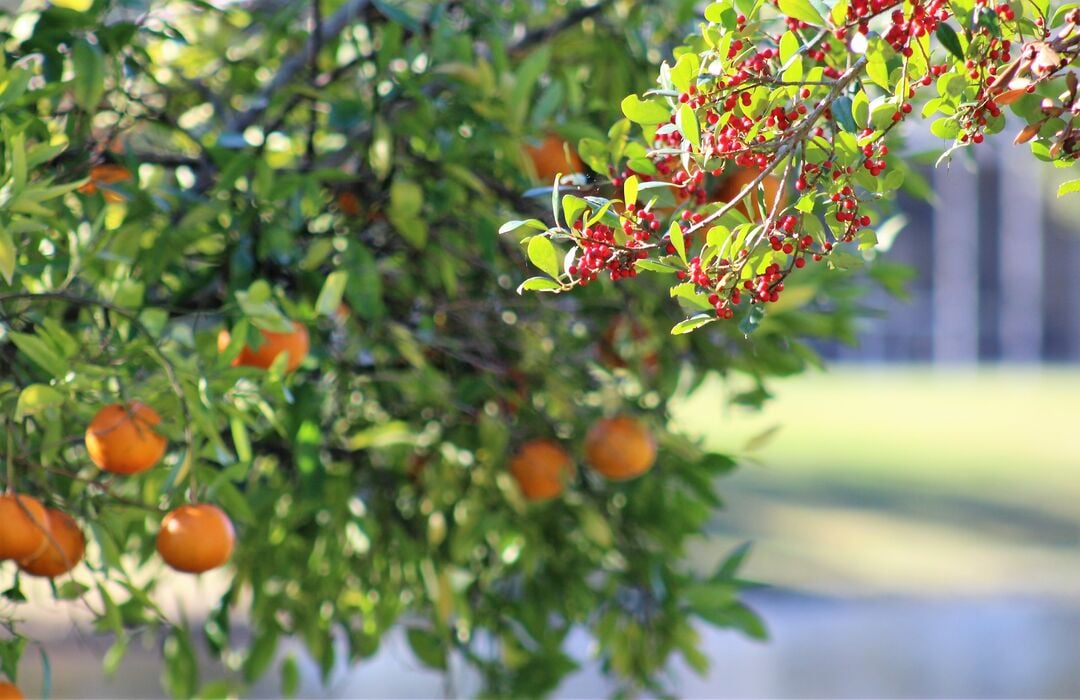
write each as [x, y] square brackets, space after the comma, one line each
[1069, 187]
[653, 266]
[838, 13]
[89, 64]
[685, 71]
[428, 648]
[688, 124]
[114, 656]
[753, 319]
[332, 291]
[948, 38]
[7, 256]
[877, 70]
[261, 653]
[630, 190]
[692, 323]
[406, 203]
[644, 111]
[543, 255]
[842, 109]
[36, 398]
[789, 47]
[675, 234]
[945, 128]
[538, 284]
[860, 109]
[38, 351]
[18, 163]
[802, 10]
[180, 675]
[11, 650]
[572, 207]
[71, 590]
[514, 225]
[290, 676]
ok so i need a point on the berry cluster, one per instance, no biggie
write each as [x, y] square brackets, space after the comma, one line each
[600, 252]
[773, 135]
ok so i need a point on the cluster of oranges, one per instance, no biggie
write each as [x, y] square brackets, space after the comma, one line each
[618, 448]
[122, 439]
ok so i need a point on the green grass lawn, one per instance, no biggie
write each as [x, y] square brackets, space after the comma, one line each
[904, 479]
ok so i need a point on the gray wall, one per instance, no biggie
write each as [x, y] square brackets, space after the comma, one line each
[997, 265]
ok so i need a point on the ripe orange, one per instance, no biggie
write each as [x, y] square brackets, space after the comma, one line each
[22, 535]
[549, 159]
[625, 332]
[734, 183]
[541, 468]
[9, 692]
[196, 538]
[52, 562]
[106, 174]
[295, 342]
[620, 448]
[349, 203]
[122, 439]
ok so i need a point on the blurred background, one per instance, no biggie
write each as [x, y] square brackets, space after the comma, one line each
[914, 509]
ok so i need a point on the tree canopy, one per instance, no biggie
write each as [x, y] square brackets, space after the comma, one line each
[257, 290]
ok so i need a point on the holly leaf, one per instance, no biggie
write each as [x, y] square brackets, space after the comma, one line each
[692, 323]
[542, 254]
[646, 112]
[1069, 187]
[948, 38]
[802, 10]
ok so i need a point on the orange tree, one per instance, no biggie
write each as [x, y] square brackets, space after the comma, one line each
[257, 316]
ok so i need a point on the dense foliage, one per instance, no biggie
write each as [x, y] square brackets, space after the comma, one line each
[172, 171]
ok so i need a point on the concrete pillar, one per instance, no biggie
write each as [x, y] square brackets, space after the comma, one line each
[955, 315]
[1020, 255]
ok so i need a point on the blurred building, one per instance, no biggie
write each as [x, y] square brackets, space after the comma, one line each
[997, 265]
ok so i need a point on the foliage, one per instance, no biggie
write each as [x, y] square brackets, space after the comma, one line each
[171, 171]
[808, 96]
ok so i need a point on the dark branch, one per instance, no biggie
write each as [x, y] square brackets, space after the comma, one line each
[542, 34]
[294, 64]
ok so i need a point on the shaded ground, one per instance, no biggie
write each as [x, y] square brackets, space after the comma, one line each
[820, 647]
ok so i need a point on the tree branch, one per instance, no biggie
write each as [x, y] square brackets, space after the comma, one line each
[294, 64]
[542, 34]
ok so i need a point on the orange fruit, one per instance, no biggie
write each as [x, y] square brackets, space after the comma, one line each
[196, 538]
[349, 203]
[541, 468]
[9, 692]
[620, 448]
[295, 342]
[549, 158]
[734, 183]
[106, 174]
[23, 524]
[123, 440]
[624, 332]
[53, 562]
